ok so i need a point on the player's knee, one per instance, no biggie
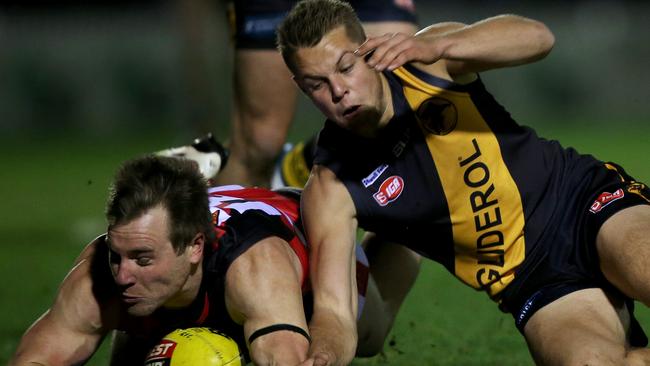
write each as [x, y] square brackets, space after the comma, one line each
[373, 327]
[263, 143]
[371, 343]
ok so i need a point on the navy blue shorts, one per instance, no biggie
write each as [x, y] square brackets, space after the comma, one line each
[551, 293]
[569, 262]
[254, 22]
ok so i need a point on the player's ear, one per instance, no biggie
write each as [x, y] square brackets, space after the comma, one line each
[196, 247]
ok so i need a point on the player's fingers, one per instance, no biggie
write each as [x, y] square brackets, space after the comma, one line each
[307, 362]
[404, 57]
[370, 44]
[398, 54]
[374, 48]
[321, 359]
[385, 51]
[398, 61]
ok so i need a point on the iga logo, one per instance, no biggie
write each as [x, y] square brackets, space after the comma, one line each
[389, 190]
[605, 199]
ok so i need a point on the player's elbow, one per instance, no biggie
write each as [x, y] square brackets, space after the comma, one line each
[23, 359]
[543, 39]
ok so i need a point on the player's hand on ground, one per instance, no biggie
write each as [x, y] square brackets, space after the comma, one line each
[318, 359]
[393, 50]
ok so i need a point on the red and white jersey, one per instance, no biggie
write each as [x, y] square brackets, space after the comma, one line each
[226, 201]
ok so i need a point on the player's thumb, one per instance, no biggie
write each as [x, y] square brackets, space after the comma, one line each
[321, 359]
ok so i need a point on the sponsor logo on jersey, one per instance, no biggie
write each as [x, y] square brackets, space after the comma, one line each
[605, 199]
[389, 190]
[437, 115]
[488, 224]
[372, 177]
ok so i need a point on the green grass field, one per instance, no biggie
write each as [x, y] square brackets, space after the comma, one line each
[53, 193]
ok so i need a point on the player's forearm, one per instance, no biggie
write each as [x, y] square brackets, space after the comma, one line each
[27, 363]
[500, 41]
[25, 357]
[34, 357]
[329, 217]
[333, 323]
[20, 360]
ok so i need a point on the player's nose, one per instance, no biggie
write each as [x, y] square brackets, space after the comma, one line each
[338, 88]
[123, 274]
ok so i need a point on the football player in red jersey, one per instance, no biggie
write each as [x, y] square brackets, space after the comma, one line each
[176, 255]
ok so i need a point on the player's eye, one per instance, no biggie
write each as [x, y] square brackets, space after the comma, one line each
[113, 258]
[315, 85]
[347, 69]
[143, 261]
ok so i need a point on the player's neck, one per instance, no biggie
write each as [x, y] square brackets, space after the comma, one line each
[387, 100]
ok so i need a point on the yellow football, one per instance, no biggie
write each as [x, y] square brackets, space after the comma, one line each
[195, 347]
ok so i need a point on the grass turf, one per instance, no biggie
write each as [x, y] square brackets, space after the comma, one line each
[53, 193]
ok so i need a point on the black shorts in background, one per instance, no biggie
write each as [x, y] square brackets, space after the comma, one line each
[253, 23]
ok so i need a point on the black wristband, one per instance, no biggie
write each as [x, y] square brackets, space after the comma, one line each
[276, 327]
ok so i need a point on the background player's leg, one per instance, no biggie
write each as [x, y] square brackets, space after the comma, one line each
[586, 327]
[393, 270]
[265, 98]
[381, 28]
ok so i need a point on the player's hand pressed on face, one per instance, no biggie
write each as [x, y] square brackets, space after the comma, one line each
[393, 50]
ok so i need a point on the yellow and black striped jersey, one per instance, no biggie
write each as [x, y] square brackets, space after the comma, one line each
[456, 179]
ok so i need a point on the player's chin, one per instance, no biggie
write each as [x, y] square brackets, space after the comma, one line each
[364, 123]
[142, 308]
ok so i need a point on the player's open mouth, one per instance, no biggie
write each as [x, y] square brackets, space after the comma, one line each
[349, 112]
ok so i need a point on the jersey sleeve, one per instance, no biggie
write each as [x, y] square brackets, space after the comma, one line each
[243, 230]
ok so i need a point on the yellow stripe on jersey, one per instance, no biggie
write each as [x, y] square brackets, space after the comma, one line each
[485, 206]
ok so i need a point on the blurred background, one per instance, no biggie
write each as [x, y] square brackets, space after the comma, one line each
[102, 67]
[85, 85]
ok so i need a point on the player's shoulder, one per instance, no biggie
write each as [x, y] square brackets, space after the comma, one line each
[85, 265]
[87, 293]
[259, 267]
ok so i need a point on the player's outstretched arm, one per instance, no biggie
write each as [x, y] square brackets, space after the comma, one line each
[500, 41]
[263, 292]
[71, 330]
[330, 223]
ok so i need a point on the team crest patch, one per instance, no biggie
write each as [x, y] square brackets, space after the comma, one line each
[637, 188]
[605, 199]
[389, 190]
[437, 115]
